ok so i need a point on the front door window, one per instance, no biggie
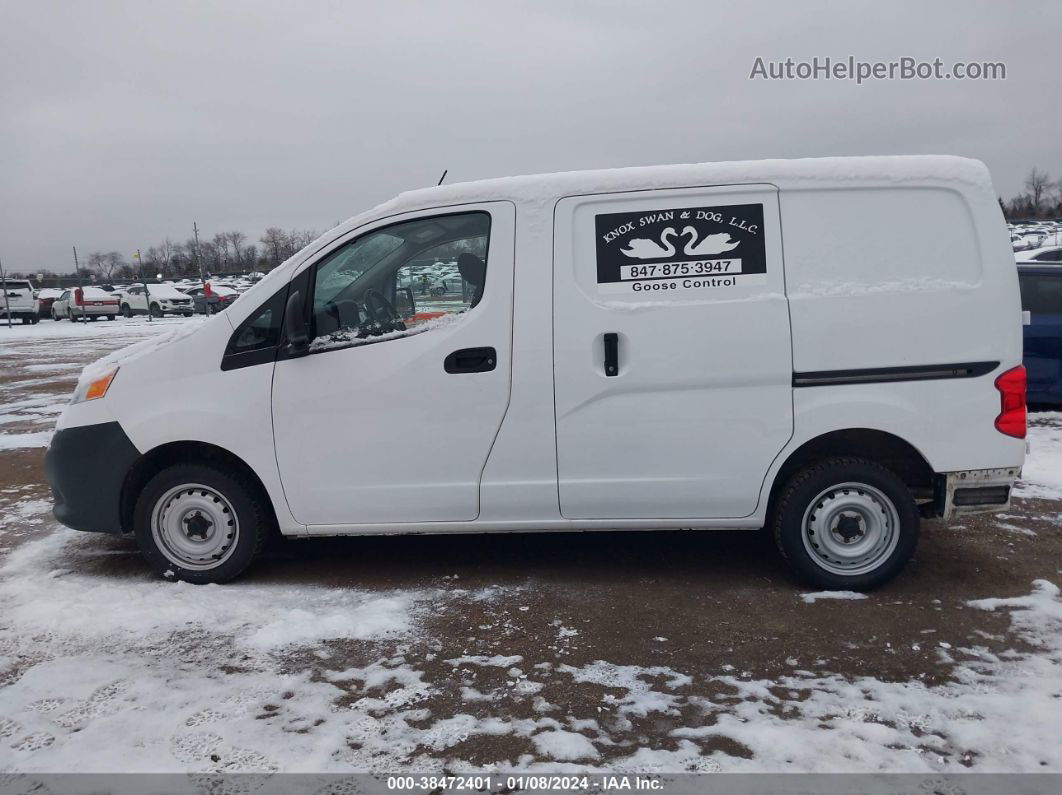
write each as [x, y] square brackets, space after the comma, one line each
[404, 279]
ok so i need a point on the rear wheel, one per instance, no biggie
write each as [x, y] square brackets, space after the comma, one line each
[846, 524]
[110, 317]
[198, 524]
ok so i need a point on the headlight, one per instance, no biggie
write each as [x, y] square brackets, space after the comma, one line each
[95, 387]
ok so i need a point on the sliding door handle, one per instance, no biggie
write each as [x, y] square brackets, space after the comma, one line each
[471, 360]
[611, 354]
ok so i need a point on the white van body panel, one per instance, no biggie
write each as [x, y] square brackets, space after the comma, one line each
[380, 432]
[701, 403]
[859, 292]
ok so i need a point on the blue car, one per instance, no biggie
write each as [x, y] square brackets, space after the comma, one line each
[1041, 297]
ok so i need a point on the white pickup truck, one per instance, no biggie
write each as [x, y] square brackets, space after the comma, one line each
[18, 300]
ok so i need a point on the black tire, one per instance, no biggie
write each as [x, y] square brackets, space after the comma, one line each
[70, 317]
[110, 317]
[815, 482]
[253, 517]
[126, 311]
[155, 310]
[54, 316]
[93, 318]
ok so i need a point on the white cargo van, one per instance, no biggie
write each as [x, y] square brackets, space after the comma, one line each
[828, 348]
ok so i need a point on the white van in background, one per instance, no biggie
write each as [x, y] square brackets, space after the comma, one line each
[829, 348]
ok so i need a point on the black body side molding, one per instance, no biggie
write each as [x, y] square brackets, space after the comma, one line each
[881, 375]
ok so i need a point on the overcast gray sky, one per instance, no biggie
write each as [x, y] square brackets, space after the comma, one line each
[120, 123]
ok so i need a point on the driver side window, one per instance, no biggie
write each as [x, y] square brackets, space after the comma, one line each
[400, 280]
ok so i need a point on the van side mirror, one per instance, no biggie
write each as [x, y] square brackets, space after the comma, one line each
[405, 303]
[296, 332]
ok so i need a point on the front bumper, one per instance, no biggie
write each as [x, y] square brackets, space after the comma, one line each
[86, 467]
[975, 491]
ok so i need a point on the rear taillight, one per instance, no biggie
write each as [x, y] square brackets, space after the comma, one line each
[1011, 386]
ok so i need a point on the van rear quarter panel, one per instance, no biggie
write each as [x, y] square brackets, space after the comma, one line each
[881, 276]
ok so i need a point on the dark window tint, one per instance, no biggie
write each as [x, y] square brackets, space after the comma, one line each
[1041, 293]
[1049, 256]
[261, 329]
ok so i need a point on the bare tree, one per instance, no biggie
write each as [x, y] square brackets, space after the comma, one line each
[104, 265]
[154, 260]
[1037, 184]
[114, 262]
[275, 243]
[221, 247]
[236, 240]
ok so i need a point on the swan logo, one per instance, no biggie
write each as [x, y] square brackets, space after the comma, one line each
[681, 249]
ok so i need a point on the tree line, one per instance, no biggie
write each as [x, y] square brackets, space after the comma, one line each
[1042, 199]
[225, 252]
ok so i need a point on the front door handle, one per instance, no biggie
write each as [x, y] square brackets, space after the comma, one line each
[471, 360]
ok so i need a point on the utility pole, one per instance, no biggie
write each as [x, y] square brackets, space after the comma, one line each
[198, 259]
[143, 281]
[77, 272]
[77, 268]
[3, 288]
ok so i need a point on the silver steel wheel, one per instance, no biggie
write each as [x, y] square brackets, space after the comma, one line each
[195, 527]
[850, 529]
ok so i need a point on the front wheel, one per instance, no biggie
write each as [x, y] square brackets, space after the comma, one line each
[198, 524]
[155, 311]
[846, 524]
[126, 311]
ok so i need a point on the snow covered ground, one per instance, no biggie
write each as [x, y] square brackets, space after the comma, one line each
[635, 652]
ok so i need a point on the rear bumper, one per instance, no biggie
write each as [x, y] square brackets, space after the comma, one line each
[86, 467]
[975, 491]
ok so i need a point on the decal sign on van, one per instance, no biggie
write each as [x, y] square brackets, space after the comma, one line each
[690, 248]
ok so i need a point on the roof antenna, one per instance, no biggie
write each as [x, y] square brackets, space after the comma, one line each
[445, 170]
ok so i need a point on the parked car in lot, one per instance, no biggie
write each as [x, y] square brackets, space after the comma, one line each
[45, 298]
[1044, 254]
[18, 299]
[220, 298]
[92, 304]
[1041, 297]
[158, 299]
[634, 349]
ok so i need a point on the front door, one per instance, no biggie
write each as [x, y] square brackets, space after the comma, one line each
[392, 414]
[672, 353]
